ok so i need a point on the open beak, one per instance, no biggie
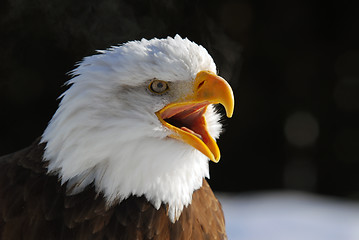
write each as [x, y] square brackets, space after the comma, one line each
[186, 117]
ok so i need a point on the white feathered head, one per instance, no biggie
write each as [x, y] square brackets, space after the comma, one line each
[138, 119]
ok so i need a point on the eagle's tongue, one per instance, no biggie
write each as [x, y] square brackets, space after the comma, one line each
[192, 132]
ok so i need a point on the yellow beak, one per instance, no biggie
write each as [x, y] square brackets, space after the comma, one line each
[186, 116]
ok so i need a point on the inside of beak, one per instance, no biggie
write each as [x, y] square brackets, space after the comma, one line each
[186, 118]
[188, 124]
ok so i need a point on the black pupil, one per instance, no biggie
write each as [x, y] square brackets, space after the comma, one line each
[159, 85]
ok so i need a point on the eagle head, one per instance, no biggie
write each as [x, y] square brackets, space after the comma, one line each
[139, 119]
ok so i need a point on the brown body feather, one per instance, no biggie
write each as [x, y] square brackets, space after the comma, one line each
[34, 205]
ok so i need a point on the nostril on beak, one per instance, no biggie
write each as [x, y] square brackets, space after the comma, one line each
[200, 85]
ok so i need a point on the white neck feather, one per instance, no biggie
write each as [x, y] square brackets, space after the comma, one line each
[162, 169]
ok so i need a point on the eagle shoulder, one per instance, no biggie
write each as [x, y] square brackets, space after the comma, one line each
[34, 205]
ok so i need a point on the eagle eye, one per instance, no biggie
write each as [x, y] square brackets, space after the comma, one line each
[158, 86]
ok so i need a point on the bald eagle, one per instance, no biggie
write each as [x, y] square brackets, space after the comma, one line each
[126, 154]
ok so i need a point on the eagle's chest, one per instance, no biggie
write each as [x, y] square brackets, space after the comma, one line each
[136, 218]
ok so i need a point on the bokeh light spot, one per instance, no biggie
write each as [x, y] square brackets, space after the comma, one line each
[301, 129]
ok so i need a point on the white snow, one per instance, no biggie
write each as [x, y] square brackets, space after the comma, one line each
[289, 216]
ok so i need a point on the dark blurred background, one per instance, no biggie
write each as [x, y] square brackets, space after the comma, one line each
[293, 65]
